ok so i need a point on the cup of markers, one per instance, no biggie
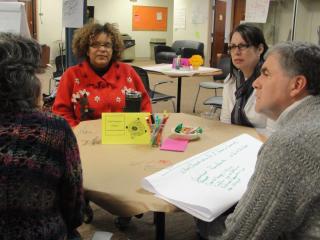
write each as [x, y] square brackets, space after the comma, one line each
[156, 134]
[157, 129]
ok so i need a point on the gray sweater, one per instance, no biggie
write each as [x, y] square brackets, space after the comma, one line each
[282, 200]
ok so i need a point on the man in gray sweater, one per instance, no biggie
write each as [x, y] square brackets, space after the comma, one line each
[282, 200]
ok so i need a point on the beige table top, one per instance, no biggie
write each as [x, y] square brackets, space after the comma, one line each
[112, 173]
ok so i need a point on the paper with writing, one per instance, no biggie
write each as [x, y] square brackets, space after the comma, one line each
[72, 13]
[257, 11]
[210, 182]
[125, 128]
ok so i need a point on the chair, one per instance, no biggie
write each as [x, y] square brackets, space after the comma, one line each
[184, 48]
[224, 65]
[48, 99]
[153, 94]
[60, 62]
[215, 102]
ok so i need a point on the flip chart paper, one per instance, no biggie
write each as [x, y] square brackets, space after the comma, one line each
[13, 18]
[210, 182]
[125, 128]
[10, 17]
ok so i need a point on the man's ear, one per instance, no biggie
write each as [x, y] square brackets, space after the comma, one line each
[298, 86]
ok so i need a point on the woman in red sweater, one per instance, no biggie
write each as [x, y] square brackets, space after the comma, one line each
[97, 84]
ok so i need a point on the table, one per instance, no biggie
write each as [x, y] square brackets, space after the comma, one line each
[167, 70]
[112, 173]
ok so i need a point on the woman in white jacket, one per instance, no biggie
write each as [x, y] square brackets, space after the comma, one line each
[247, 47]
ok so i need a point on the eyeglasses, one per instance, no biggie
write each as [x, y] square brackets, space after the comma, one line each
[241, 47]
[98, 45]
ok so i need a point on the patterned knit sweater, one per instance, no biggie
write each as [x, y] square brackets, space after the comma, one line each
[283, 196]
[41, 194]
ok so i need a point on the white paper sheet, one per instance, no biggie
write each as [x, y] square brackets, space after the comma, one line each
[72, 13]
[210, 182]
[257, 11]
[179, 19]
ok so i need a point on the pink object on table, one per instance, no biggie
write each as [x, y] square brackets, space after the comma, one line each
[178, 145]
[181, 63]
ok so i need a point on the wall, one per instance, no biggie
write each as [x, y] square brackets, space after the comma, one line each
[119, 11]
[49, 24]
[198, 23]
[279, 22]
[308, 21]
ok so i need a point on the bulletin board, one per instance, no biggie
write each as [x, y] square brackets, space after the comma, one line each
[147, 18]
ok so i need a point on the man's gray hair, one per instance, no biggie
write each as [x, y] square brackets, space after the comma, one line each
[300, 58]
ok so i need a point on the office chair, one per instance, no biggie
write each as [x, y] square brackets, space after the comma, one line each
[48, 99]
[153, 94]
[60, 62]
[215, 102]
[224, 65]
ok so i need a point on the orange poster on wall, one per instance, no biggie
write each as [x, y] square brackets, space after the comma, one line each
[147, 18]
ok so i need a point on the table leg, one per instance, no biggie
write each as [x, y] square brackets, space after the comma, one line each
[159, 221]
[179, 94]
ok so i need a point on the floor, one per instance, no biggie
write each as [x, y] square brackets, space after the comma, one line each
[179, 225]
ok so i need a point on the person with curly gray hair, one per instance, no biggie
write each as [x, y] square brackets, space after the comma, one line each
[41, 193]
[99, 82]
[282, 200]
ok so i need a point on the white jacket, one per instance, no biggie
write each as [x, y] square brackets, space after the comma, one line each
[259, 121]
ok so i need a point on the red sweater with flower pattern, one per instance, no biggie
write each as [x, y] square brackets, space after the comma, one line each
[83, 95]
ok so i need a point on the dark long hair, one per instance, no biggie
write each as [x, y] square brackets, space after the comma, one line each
[19, 87]
[251, 35]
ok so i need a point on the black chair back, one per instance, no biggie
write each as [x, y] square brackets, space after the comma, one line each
[60, 62]
[153, 94]
[144, 77]
[225, 65]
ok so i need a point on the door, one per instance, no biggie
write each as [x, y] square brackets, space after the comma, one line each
[217, 45]
[239, 10]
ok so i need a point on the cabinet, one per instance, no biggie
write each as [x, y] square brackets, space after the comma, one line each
[297, 20]
[45, 55]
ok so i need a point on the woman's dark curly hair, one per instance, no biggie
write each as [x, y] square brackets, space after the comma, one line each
[19, 87]
[84, 36]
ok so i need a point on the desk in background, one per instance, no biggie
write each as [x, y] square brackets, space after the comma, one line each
[112, 173]
[166, 69]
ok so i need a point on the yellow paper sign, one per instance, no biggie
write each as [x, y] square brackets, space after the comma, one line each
[125, 128]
